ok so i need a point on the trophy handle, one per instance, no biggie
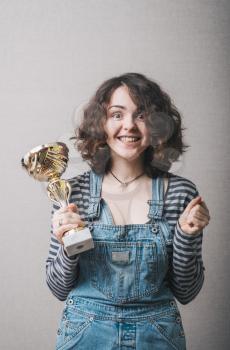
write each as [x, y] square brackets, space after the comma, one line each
[59, 191]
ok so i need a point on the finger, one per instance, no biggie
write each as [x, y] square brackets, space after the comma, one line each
[201, 216]
[68, 220]
[57, 219]
[68, 215]
[73, 207]
[203, 204]
[192, 203]
[65, 217]
[203, 210]
[199, 209]
[62, 210]
[194, 222]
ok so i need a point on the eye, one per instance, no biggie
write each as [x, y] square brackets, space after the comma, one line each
[140, 116]
[116, 115]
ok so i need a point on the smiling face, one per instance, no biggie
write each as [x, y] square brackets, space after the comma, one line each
[125, 126]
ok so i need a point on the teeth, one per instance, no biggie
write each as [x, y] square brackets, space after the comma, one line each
[129, 139]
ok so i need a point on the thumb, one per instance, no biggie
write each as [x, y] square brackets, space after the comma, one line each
[193, 202]
[73, 207]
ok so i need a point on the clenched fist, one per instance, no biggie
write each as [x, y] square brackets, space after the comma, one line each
[65, 219]
[195, 216]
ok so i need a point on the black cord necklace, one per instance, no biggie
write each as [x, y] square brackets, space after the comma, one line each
[125, 184]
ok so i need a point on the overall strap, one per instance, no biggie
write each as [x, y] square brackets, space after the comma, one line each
[156, 204]
[95, 192]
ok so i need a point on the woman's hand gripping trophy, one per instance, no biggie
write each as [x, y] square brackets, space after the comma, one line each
[66, 219]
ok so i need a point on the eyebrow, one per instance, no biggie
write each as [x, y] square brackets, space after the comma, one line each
[117, 106]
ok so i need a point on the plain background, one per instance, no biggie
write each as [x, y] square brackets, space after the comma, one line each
[53, 55]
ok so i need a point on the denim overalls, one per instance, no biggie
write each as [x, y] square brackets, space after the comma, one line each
[122, 300]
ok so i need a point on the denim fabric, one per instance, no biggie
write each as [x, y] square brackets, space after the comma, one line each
[122, 300]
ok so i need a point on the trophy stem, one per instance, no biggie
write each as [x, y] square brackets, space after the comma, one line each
[59, 191]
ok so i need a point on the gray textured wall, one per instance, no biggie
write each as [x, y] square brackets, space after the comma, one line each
[53, 55]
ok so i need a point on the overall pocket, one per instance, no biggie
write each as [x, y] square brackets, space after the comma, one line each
[169, 330]
[73, 325]
[124, 271]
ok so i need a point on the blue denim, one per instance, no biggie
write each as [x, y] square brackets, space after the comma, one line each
[122, 299]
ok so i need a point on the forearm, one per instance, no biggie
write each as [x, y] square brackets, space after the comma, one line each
[61, 271]
[186, 271]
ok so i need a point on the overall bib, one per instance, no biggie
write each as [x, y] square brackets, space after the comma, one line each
[122, 300]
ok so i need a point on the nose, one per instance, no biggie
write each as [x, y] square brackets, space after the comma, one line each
[129, 122]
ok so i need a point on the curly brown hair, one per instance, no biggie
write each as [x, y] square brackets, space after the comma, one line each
[163, 120]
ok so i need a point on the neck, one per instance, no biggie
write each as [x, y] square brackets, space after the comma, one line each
[125, 170]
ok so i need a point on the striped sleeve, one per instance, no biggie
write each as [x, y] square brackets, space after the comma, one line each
[62, 271]
[186, 271]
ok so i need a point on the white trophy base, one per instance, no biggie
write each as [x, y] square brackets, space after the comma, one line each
[76, 242]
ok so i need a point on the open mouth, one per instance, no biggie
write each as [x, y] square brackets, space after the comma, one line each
[128, 139]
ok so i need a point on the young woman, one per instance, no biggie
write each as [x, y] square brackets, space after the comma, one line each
[146, 225]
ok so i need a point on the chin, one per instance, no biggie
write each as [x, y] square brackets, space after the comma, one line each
[126, 156]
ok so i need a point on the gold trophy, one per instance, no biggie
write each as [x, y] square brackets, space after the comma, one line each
[47, 163]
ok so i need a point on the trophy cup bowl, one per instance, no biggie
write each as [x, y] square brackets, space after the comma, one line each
[47, 163]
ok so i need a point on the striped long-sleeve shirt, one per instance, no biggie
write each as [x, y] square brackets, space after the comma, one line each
[186, 271]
